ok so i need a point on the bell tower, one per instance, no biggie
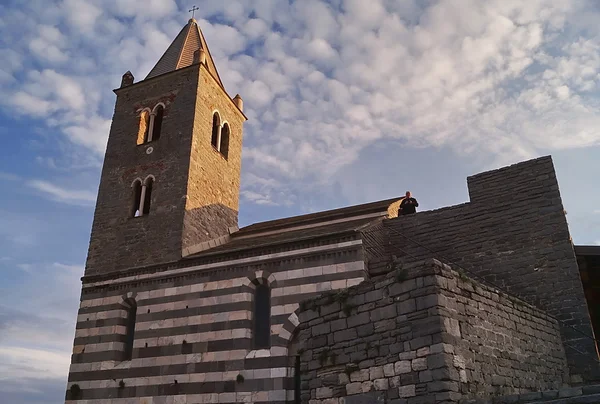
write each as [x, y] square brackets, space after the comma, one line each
[171, 176]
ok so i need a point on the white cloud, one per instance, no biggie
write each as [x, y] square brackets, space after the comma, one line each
[496, 81]
[60, 194]
[17, 362]
[257, 198]
[48, 44]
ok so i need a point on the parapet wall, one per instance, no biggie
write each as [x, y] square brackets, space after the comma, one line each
[424, 334]
[506, 346]
[513, 234]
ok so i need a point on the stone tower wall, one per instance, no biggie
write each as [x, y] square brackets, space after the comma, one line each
[514, 234]
[195, 195]
[118, 240]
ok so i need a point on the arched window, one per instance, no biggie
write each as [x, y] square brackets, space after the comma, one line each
[142, 196]
[157, 118]
[147, 193]
[216, 130]
[262, 316]
[144, 127]
[136, 198]
[224, 146]
[130, 328]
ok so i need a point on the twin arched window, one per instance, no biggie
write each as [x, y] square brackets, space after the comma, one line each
[142, 196]
[150, 124]
[220, 135]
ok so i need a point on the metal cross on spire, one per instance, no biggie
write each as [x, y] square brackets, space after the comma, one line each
[193, 10]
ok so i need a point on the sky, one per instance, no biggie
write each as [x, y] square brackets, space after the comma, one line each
[349, 101]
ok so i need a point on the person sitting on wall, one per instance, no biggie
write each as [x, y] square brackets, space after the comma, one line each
[408, 205]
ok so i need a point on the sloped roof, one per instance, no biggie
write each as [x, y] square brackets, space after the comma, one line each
[180, 53]
[304, 227]
[323, 216]
[587, 249]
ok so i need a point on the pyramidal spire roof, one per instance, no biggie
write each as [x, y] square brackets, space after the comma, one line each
[181, 52]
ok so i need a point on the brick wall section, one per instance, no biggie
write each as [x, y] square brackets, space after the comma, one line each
[506, 346]
[514, 234]
[424, 334]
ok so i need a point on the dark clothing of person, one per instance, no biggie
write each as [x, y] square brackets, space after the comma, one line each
[408, 206]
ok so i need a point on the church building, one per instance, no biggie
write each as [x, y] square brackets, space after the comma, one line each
[179, 305]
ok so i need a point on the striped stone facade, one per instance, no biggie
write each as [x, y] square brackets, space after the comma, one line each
[194, 327]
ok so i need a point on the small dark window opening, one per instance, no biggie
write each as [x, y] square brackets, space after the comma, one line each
[215, 129]
[148, 195]
[297, 381]
[129, 337]
[157, 127]
[137, 196]
[262, 317]
[225, 141]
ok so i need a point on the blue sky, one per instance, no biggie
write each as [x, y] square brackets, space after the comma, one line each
[349, 101]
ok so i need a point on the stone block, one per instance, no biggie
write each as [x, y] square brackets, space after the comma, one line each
[537, 395]
[354, 388]
[570, 392]
[360, 375]
[399, 288]
[321, 329]
[358, 319]
[407, 306]
[363, 330]
[439, 360]
[407, 391]
[443, 386]
[339, 324]
[420, 342]
[383, 313]
[376, 372]
[376, 397]
[324, 392]
[425, 302]
[367, 386]
[401, 367]
[419, 364]
[593, 389]
[425, 376]
[381, 384]
[410, 355]
[388, 370]
[345, 335]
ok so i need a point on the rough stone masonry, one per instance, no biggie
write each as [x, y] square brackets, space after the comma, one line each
[425, 334]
